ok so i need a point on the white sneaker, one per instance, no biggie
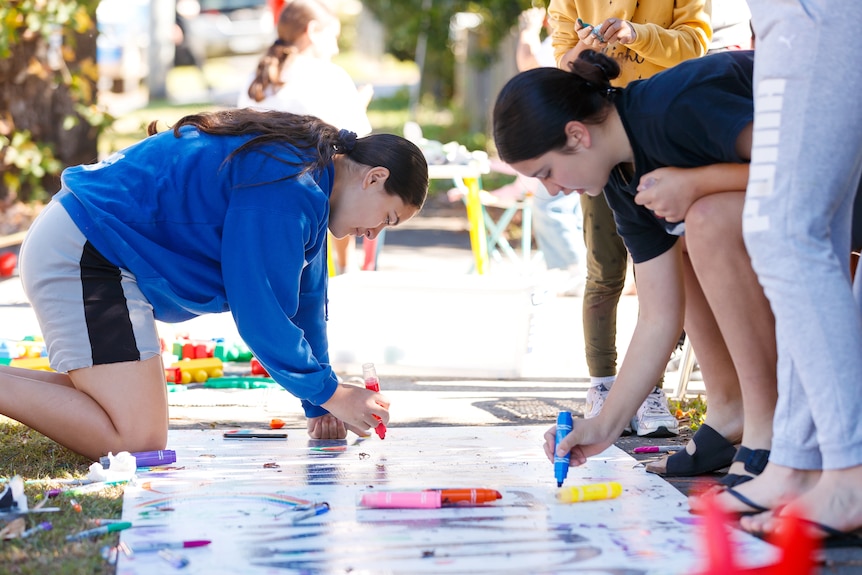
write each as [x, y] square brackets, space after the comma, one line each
[653, 418]
[596, 396]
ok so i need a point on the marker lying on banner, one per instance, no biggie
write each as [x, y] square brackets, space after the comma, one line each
[657, 448]
[249, 434]
[146, 458]
[428, 499]
[591, 492]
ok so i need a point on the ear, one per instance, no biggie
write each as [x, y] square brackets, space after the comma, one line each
[577, 134]
[376, 175]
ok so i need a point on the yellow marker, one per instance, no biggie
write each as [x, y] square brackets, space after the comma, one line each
[591, 492]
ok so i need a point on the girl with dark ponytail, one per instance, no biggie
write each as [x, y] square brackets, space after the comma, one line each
[228, 211]
[670, 153]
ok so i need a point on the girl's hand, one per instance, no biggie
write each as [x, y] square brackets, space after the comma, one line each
[611, 31]
[668, 192]
[326, 427]
[616, 31]
[353, 408]
[586, 439]
[589, 35]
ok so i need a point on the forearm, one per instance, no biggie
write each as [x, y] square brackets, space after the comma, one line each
[718, 178]
[661, 301]
[528, 47]
[688, 36]
[563, 19]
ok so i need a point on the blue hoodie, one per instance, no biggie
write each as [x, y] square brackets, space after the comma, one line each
[204, 236]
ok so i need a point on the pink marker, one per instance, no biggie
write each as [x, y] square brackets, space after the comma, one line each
[657, 448]
[402, 500]
[429, 498]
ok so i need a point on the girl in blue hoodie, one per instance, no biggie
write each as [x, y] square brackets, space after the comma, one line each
[228, 211]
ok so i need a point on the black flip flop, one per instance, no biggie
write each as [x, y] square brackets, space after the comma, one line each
[836, 539]
[712, 452]
[756, 508]
[755, 462]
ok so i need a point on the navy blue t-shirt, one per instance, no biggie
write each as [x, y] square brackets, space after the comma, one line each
[685, 117]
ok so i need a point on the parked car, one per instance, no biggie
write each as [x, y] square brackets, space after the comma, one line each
[224, 27]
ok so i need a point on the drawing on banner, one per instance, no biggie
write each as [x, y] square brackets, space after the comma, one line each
[291, 507]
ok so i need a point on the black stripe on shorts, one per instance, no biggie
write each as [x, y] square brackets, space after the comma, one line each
[106, 312]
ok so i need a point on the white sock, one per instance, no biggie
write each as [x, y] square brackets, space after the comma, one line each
[608, 381]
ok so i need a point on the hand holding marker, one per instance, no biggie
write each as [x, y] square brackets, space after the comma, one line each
[369, 374]
[595, 31]
[561, 463]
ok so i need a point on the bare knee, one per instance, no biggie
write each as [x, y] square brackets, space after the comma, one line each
[714, 220]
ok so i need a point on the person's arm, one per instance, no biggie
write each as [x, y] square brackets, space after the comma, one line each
[670, 192]
[688, 36]
[661, 305]
[529, 43]
[563, 17]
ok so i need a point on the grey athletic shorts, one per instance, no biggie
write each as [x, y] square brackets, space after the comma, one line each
[90, 311]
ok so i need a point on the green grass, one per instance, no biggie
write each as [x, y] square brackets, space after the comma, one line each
[689, 411]
[43, 464]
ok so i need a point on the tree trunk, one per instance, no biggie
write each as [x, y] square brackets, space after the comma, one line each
[35, 97]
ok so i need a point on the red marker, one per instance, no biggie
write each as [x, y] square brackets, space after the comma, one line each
[467, 496]
[369, 374]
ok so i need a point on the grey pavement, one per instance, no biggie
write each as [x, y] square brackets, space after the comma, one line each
[549, 375]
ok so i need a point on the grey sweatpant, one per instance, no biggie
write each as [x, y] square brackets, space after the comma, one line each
[806, 163]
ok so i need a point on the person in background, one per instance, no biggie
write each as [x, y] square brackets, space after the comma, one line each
[557, 220]
[297, 75]
[228, 211]
[644, 38]
[798, 228]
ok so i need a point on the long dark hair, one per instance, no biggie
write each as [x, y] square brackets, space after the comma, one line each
[533, 108]
[292, 23]
[408, 170]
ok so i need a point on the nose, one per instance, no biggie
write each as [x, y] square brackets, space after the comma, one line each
[552, 188]
[373, 232]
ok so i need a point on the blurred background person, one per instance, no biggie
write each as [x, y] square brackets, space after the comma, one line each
[297, 75]
[557, 221]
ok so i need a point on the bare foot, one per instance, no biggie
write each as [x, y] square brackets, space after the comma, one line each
[835, 500]
[775, 486]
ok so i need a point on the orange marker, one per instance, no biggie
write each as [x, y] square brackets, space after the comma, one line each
[451, 497]
[369, 374]
[276, 423]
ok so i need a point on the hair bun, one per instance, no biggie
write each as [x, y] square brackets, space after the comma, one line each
[346, 141]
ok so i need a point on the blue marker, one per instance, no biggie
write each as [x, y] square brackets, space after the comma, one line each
[561, 464]
[313, 511]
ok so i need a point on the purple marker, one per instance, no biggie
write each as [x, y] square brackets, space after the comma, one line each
[46, 526]
[147, 458]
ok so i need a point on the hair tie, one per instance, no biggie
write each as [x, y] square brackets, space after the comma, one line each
[346, 140]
